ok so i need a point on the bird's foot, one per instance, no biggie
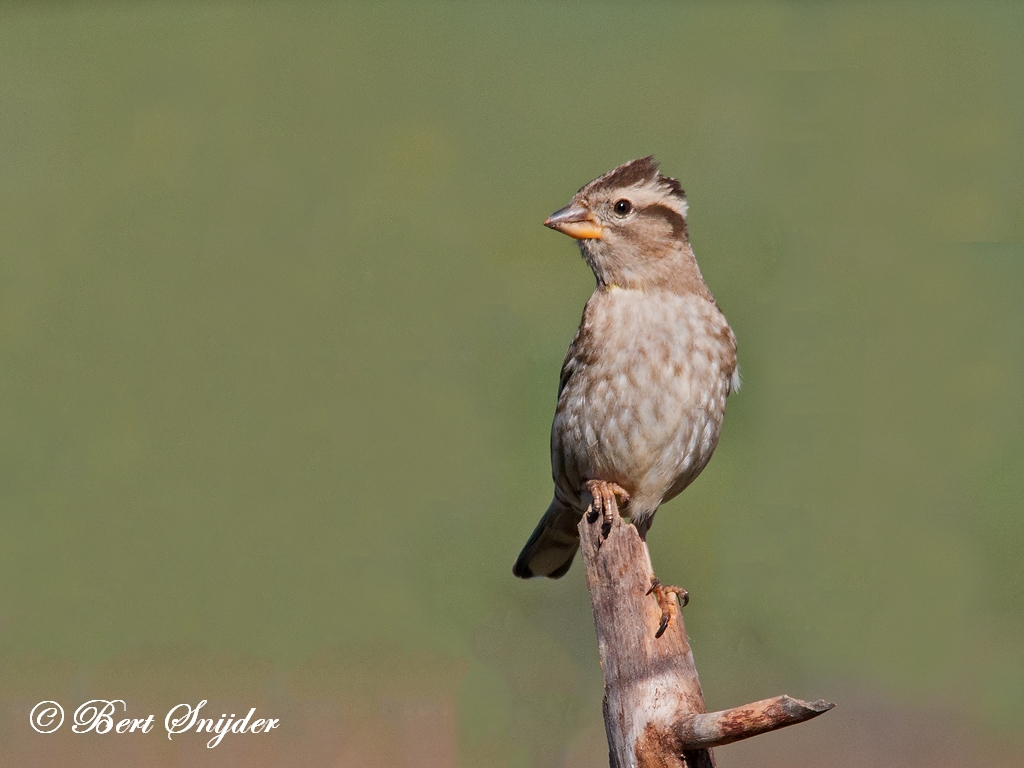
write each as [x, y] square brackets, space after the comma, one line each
[666, 601]
[605, 503]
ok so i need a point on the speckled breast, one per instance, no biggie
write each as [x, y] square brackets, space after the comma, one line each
[643, 394]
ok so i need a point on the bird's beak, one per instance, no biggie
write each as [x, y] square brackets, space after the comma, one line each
[577, 222]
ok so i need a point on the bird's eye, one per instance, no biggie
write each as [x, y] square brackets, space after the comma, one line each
[622, 207]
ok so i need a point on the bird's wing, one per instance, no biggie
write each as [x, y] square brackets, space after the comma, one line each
[571, 361]
[581, 350]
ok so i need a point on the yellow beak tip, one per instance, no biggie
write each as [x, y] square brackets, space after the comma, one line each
[576, 222]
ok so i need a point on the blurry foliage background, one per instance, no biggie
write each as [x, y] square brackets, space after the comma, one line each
[280, 335]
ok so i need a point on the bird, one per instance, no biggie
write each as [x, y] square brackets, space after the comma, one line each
[643, 386]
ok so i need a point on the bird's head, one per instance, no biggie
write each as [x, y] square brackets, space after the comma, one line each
[631, 227]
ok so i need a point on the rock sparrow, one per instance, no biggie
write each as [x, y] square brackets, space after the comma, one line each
[642, 391]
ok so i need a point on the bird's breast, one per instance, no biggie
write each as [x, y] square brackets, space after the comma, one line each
[644, 391]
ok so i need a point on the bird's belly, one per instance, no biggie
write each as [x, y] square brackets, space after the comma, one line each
[648, 427]
[643, 395]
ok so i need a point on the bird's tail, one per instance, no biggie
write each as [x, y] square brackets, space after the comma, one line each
[553, 544]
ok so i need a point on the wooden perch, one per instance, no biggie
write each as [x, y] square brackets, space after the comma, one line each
[654, 711]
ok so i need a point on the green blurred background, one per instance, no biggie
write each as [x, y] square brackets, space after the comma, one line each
[280, 334]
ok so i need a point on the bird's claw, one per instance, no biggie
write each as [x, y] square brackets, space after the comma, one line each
[605, 503]
[665, 602]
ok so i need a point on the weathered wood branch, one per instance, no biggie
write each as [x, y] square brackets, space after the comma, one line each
[718, 728]
[654, 710]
